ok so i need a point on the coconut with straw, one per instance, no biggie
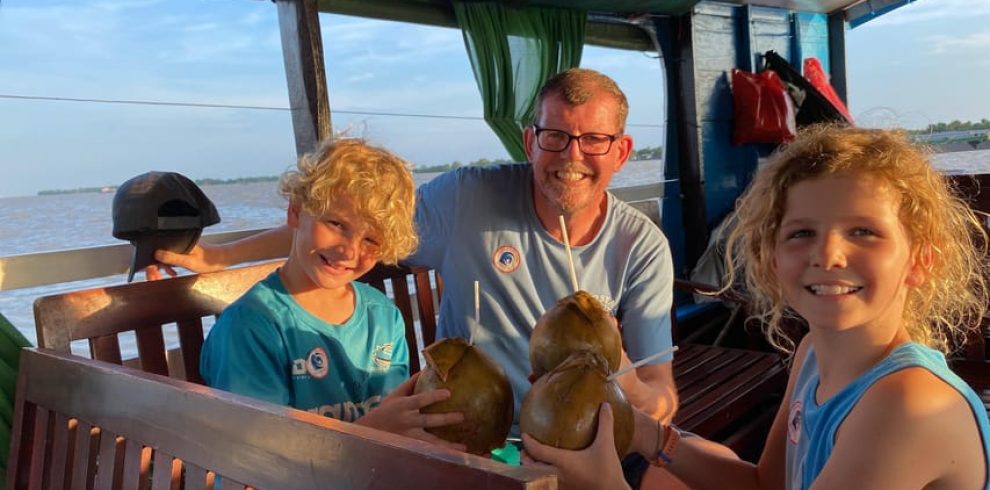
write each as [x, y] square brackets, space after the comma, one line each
[478, 388]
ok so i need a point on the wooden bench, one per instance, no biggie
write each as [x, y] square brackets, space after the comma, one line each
[717, 386]
[80, 423]
[729, 395]
[146, 310]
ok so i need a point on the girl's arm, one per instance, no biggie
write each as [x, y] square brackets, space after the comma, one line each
[699, 463]
[703, 464]
[909, 430]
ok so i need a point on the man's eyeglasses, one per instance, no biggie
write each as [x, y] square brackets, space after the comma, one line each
[588, 143]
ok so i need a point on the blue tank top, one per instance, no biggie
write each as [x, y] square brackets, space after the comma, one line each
[811, 428]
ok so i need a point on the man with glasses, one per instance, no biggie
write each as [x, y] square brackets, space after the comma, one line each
[500, 225]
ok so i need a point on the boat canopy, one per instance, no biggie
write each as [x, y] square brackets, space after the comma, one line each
[602, 28]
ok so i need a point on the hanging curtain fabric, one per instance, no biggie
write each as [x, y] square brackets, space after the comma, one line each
[513, 53]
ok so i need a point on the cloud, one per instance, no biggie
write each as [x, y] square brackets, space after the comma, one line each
[932, 11]
[977, 41]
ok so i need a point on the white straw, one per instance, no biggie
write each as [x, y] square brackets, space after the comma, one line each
[477, 303]
[641, 362]
[570, 258]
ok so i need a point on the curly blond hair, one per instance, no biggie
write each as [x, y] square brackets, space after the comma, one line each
[376, 181]
[953, 298]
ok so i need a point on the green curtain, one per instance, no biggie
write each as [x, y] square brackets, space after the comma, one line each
[513, 53]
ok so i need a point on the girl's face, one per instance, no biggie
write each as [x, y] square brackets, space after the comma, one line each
[842, 257]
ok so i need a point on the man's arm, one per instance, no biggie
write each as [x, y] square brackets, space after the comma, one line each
[205, 257]
[651, 389]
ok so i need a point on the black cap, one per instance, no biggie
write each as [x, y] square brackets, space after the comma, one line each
[160, 210]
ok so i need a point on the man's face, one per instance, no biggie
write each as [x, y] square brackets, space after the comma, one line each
[570, 180]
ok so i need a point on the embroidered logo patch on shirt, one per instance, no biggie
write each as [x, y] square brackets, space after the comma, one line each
[317, 363]
[382, 356]
[506, 258]
[298, 367]
[794, 422]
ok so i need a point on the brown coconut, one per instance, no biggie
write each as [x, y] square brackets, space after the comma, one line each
[478, 388]
[576, 323]
[561, 408]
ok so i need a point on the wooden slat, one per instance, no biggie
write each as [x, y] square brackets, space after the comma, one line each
[191, 342]
[424, 301]
[151, 349]
[161, 475]
[108, 461]
[56, 476]
[718, 385]
[106, 348]
[400, 287]
[132, 469]
[85, 449]
[195, 477]
[37, 468]
[244, 440]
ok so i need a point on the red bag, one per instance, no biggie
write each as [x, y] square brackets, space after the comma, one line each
[816, 75]
[763, 111]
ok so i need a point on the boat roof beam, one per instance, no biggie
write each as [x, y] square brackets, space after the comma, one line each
[605, 30]
[302, 51]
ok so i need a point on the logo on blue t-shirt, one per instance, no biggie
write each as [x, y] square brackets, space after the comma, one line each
[794, 422]
[317, 363]
[382, 356]
[506, 258]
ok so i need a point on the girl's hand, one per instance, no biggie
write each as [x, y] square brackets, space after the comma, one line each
[595, 467]
[399, 413]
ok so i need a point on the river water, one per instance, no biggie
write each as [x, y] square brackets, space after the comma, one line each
[56, 222]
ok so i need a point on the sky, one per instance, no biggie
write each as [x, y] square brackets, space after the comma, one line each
[926, 62]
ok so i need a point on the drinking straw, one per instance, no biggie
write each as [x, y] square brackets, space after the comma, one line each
[570, 257]
[477, 303]
[641, 362]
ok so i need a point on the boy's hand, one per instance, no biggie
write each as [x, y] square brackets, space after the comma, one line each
[595, 467]
[399, 413]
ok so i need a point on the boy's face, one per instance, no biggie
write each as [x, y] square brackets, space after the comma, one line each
[843, 258]
[331, 250]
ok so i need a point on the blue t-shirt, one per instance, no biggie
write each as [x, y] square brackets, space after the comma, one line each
[812, 427]
[481, 224]
[266, 346]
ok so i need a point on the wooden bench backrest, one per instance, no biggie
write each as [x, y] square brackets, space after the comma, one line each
[101, 315]
[148, 431]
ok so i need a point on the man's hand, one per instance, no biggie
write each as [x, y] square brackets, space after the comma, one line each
[595, 467]
[399, 414]
[202, 258]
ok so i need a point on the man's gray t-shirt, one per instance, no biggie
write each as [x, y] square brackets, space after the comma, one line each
[480, 224]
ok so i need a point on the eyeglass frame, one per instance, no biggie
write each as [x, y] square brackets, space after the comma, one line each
[571, 138]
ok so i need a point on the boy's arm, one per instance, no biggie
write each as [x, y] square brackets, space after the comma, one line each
[205, 257]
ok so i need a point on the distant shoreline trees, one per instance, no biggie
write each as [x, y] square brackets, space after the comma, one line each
[953, 126]
[648, 153]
